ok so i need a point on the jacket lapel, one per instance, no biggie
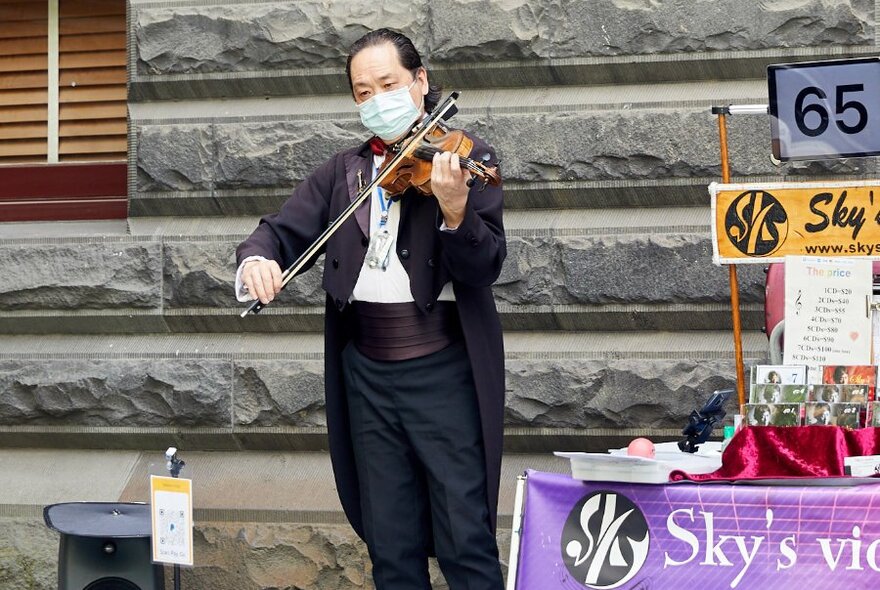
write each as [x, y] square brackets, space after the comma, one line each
[355, 163]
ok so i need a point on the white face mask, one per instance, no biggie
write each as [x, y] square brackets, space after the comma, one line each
[390, 114]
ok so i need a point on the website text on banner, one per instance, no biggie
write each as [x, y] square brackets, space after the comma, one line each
[761, 223]
[579, 535]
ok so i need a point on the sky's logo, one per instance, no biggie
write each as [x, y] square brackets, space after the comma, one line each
[605, 540]
[756, 223]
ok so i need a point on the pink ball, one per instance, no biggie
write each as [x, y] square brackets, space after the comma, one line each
[641, 447]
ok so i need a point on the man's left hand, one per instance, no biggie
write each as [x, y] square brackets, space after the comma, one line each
[449, 185]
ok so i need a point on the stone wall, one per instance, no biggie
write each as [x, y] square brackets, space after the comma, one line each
[616, 322]
[279, 36]
[167, 274]
[579, 393]
[240, 168]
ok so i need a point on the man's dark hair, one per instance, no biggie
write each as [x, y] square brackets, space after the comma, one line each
[406, 52]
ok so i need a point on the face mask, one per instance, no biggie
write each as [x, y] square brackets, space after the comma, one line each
[390, 114]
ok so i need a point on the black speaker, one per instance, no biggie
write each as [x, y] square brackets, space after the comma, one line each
[104, 546]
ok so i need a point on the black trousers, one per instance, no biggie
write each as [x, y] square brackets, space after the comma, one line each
[419, 452]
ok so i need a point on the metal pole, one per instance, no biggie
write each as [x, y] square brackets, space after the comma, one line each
[174, 467]
[515, 532]
[734, 284]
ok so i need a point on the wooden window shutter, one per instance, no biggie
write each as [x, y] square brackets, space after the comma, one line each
[63, 141]
[92, 94]
[23, 81]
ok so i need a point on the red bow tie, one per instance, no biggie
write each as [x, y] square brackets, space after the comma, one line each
[378, 146]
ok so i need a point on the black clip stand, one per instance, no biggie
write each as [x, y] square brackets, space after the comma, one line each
[700, 423]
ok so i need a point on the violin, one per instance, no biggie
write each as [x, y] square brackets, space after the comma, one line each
[415, 170]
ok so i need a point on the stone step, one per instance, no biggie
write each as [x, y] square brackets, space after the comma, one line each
[519, 345]
[563, 272]
[518, 195]
[534, 222]
[301, 439]
[293, 487]
[475, 102]
[262, 49]
[310, 319]
[249, 391]
[262, 519]
[593, 148]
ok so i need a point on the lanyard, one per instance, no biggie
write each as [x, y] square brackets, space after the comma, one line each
[379, 249]
[384, 203]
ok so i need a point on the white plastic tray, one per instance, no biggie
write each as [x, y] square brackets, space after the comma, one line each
[616, 465]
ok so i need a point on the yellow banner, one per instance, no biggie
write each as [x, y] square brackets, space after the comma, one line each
[760, 223]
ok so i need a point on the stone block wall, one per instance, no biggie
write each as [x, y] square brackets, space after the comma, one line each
[616, 323]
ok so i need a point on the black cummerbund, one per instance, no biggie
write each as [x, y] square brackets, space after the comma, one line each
[400, 331]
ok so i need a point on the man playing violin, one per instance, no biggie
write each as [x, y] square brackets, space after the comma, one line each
[414, 360]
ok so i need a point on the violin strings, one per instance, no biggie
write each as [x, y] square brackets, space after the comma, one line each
[469, 163]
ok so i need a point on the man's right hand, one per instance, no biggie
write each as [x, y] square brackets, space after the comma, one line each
[262, 278]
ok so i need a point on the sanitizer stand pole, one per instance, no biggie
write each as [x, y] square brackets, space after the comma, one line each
[722, 113]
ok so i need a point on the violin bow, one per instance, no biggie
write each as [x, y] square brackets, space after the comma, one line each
[440, 113]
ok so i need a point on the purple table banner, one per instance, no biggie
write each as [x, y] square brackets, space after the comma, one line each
[686, 536]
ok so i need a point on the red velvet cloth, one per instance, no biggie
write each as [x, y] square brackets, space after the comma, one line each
[763, 452]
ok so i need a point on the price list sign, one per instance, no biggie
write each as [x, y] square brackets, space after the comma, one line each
[828, 109]
[827, 319]
[172, 516]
